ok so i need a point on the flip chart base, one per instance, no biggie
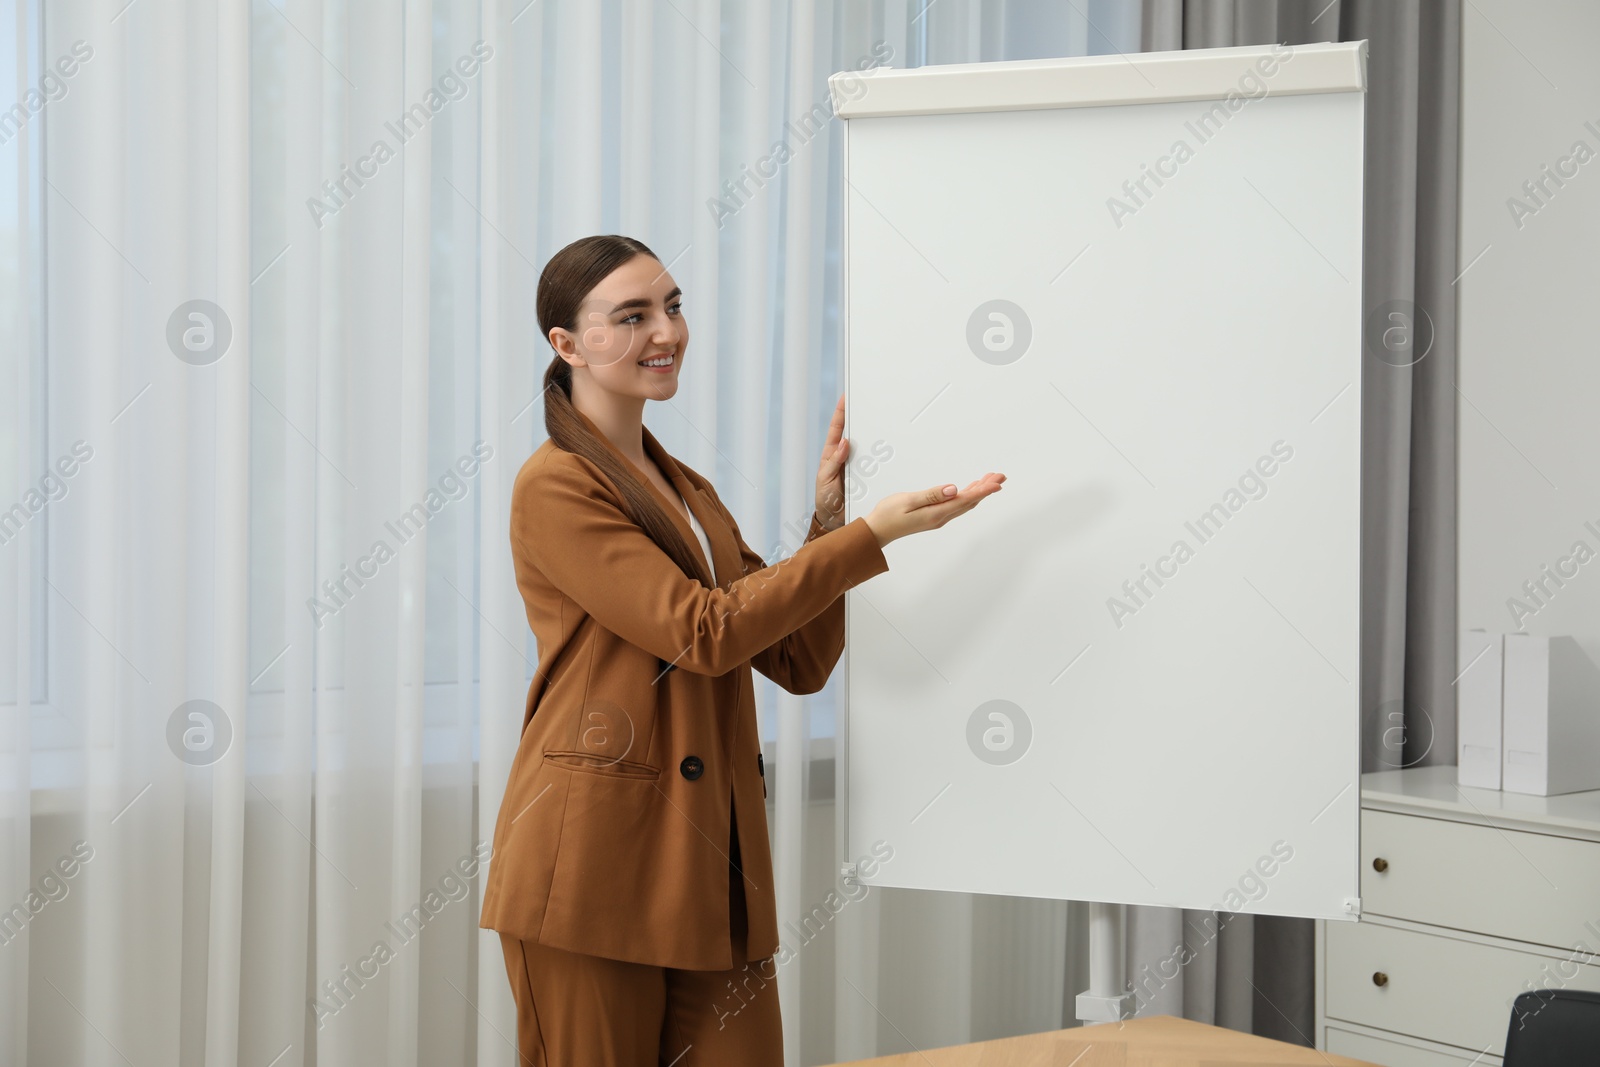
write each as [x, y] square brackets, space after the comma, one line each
[1107, 1000]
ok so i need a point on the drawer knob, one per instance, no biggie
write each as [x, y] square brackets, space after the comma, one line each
[1380, 865]
[1379, 979]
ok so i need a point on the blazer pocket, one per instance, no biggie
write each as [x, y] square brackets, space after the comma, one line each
[593, 763]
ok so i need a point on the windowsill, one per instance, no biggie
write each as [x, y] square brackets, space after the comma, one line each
[59, 774]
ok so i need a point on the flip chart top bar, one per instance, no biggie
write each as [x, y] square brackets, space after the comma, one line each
[1097, 81]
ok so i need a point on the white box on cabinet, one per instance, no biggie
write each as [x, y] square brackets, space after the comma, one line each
[1551, 737]
[1478, 715]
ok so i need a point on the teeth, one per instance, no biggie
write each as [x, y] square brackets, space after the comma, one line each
[664, 361]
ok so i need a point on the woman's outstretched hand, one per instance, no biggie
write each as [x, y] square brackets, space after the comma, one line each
[928, 509]
[899, 514]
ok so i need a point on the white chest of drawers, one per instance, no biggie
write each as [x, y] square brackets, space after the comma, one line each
[1468, 898]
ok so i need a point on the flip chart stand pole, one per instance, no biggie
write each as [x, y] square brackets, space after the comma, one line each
[1107, 1000]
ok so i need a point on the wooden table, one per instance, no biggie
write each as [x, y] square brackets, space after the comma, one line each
[1153, 1041]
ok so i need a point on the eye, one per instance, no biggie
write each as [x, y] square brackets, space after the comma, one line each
[675, 309]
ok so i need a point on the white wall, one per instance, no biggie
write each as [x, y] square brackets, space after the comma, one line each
[1529, 377]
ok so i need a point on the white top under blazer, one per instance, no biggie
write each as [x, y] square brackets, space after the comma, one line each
[700, 532]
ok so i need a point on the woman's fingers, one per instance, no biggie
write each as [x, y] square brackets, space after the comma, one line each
[958, 502]
[986, 486]
[836, 425]
[981, 488]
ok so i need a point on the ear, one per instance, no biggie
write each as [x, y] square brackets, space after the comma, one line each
[565, 345]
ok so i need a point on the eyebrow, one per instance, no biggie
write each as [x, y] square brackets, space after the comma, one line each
[644, 302]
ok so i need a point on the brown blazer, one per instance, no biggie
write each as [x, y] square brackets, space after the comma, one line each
[639, 733]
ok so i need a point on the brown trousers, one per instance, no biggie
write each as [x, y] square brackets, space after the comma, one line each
[575, 1010]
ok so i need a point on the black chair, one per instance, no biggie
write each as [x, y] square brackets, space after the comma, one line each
[1554, 1028]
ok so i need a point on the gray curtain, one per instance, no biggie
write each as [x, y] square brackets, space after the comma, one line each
[1255, 973]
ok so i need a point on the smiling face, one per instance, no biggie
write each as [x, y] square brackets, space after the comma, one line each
[630, 334]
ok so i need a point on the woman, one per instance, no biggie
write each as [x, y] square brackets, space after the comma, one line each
[632, 876]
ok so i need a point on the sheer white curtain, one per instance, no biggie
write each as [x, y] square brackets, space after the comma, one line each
[270, 368]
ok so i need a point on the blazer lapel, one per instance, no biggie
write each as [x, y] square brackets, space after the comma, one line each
[717, 532]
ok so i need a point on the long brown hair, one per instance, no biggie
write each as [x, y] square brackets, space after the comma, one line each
[563, 285]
